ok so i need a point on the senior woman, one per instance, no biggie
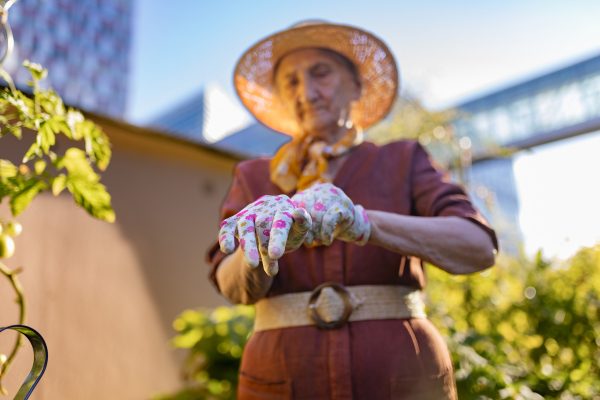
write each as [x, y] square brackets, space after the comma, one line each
[341, 227]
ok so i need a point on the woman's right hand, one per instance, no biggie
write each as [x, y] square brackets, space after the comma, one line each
[266, 229]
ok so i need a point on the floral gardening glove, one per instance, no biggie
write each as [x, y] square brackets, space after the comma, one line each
[334, 215]
[272, 222]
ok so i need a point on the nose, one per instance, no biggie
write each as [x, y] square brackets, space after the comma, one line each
[307, 92]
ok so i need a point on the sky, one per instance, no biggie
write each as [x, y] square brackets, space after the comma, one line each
[448, 52]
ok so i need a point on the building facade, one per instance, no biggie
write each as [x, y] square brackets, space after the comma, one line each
[551, 107]
[84, 44]
[104, 296]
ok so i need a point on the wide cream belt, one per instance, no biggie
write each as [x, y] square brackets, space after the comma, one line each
[331, 305]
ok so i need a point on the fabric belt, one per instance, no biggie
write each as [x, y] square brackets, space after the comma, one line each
[331, 305]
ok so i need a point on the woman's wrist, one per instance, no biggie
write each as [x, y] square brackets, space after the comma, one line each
[240, 283]
[375, 236]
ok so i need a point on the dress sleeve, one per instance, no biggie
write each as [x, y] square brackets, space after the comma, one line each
[434, 196]
[236, 200]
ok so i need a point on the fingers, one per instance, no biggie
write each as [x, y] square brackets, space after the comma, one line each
[307, 202]
[270, 266]
[336, 214]
[247, 237]
[360, 229]
[263, 232]
[280, 229]
[317, 213]
[227, 235]
[300, 228]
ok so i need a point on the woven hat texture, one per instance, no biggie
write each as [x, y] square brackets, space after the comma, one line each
[253, 76]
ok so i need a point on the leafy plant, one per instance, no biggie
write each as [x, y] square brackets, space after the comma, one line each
[46, 114]
[524, 329]
[215, 340]
[43, 169]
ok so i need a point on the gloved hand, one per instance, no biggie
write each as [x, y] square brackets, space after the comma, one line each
[273, 220]
[334, 215]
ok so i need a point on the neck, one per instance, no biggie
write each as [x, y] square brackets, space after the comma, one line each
[332, 135]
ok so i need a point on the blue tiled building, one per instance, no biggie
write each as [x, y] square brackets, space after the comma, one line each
[84, 44]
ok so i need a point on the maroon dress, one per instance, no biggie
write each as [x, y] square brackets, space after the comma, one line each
[380, 359]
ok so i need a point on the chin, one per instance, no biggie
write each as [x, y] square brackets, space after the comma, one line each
[318, 128]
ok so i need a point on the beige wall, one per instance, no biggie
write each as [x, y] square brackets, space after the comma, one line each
[104, 295]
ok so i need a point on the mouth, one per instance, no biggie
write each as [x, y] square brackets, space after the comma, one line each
[311, 111]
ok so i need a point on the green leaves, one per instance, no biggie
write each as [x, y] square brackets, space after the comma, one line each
[45, 137]
[93, 197]
[7, 169]
[47, 115]
[58, 184]
[535, 324]
[96, 143]
[76, 164]
[83, 183]
[215, 339]
[37, 72]
[21, 200]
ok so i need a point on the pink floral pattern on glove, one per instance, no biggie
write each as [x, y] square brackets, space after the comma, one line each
[334, 215]
[266, 228]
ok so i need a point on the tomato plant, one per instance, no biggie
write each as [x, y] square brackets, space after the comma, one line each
[43, 169]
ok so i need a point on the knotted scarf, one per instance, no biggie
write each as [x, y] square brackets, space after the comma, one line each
[305, 160]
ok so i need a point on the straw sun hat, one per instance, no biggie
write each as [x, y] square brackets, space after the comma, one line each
[253, 76]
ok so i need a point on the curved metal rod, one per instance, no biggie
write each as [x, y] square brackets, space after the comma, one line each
[10, 41]
[40, 359]
[9, 4]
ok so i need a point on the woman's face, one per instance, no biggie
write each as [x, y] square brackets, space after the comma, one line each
[317, 89]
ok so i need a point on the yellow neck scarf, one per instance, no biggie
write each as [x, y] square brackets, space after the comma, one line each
[286, 166]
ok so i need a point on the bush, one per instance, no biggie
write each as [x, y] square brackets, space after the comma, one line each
[521, 330]
[215, 339]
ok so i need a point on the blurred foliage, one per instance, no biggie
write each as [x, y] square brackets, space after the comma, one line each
[409, 119]
[215, 340]
[525, 329]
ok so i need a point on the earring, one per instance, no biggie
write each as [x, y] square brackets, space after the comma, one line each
[342, 121]
[360, 136]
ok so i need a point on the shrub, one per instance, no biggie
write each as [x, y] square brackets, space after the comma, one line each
[524, 329]
[215, 339]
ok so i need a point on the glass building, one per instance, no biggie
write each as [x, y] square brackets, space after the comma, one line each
[555, 106]
[84, 44]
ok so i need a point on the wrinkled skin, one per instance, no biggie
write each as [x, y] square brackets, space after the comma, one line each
[317, 89]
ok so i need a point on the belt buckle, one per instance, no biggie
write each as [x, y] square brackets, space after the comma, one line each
[312, 306]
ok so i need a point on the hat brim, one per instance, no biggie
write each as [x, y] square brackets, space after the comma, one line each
[253, 75]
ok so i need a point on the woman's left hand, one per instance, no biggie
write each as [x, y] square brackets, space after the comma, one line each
[334, 215]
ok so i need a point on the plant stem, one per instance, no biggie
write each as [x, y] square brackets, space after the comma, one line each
[36, 89]
[16, 284]
[17, 125]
